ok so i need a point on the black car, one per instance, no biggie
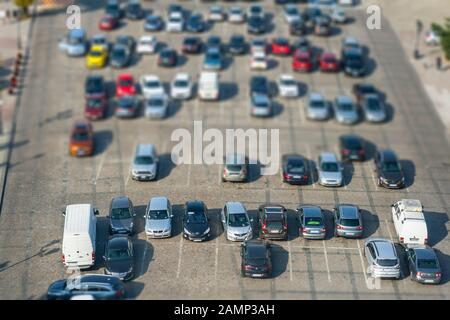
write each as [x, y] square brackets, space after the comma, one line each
[213, 42]
[295, 169]
[99, 287]
[353, 62]
[134, 11]
[259, 85]
[256, 259]
[310, 14]
[95, 87]
[174, 7]
[120, 56]
[121, 216]
[195, 221]
[256, 25]
[273, 222]
[352, 148]
[196, 23]
[389, 172]
[237, 44]
[119, 260]
[192, 45]
[153, 23]
[297, 28]
[127, 41]
[113, 9]
[167, 58]
[361, 89]
[424, 265]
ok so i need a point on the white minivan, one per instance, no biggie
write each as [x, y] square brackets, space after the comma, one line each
[208, 86]
[409, 222]
[78, 245]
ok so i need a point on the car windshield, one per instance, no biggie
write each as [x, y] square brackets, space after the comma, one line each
[126, 102]
[167, 54]
[152, 84]
[317, 104]
[155, 102]
[93, 86]
[196, 217]
[288, 82]
[427, 264]
[387, 262]
[296, 167]
[274, 224]
[143, 160]
[181, 83]
[120, 213]
[118, 254]
[345, 106]
[75, 40]
[94, 103]
[152, 19]
[350, 222]
[212, 56]
[261, 103]
[234, 167]
[126, 82]
[330, 167]
[96, 53]
[238, 220]
[373, 104]
[158, 214]
[118, 53]
[80, 136]
[313, 221]
[390, 166]
[352, 143]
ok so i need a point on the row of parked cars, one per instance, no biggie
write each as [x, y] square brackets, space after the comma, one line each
[79, 239]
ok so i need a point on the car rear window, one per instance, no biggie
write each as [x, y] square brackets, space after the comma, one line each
[80, 136]
[234, 167]
[274, 224]
[350, 222]
[427, 264]
[387, 262]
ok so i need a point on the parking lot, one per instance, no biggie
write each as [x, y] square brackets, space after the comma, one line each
[43, 179]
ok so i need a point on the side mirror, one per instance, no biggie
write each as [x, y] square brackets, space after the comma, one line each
[96, 212]
[392, 205]
[63, 212]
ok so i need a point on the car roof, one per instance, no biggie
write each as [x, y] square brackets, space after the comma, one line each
[344, 99]
[293, 157]
[350, 138]
[385, 249]
[260, 98]
[235, 207]
[81, 124]
[99, 278]
[312, 211]
[424, 252]
[159, 203]
[272, 208]
[328, 157]
[316, 96]
[194, 204]
[120, 202]
[348, 211]
[78, 33]
[118, 241]
[145, 149]
[256, 248]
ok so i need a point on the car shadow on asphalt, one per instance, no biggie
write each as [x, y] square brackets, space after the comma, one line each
[215, 223]
[228, 90]
[277, 109]
[133, 289]
[371, 223]
[444, 261]
[174, 107]
[390, 113]
[347, 173]
[101, 240]
[102, 139]
[404, 267]
[280, 259]
[139, 210]
[371, 66]
[177, 226]
[370, 150]
[436, 222]
[143, 255]
[409, 170]
[292, 220]
[165, 166]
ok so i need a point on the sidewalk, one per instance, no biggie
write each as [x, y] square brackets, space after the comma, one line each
[403, 14]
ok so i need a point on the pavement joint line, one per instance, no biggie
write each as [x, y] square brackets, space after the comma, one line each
[363, 268]
[180, 254]
[216, 259]
[326, 260]
[290, 260]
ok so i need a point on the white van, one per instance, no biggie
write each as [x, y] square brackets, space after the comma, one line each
[208, 86]
[409, 222]
[78, 246]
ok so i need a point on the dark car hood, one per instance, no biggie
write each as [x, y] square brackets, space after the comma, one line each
[121, 223]
[392, 176]
[196, 228]
[118, 266]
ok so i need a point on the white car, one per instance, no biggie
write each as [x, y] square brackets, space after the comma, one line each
[329, 170]
[181, 86]
[258, 45]
[151, 85]
[175, 22]
[216, 13]
[259, 61]
[147, 44]
[291, 13]
[338, 15]
[287, 86]
[236, 15]
[156, 106]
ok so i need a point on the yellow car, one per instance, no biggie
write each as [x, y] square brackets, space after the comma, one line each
[96, 57]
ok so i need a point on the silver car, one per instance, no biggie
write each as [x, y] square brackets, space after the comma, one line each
[345, 110]
[373, 108]
[145, 163]
[156, 106]
[260, 105]
[235, 168]
[312, 222]
[158, 218]
[236, 223]
[382, 258]
[75, 43]
[317, 107]
[330, 170]
[348, 221]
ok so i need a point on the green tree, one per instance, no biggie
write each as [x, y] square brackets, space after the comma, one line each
[24, 4]
[443, 31]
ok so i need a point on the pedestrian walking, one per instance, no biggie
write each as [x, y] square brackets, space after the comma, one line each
[439, 63]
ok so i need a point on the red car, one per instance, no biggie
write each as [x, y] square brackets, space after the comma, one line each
[125, 85]
[302, 61]
[108, 23]
[328, 62]
[281, 46]
[95, 108]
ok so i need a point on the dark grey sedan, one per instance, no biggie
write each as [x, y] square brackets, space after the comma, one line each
[312, 222]
[348, 221]
[121, 216]
[119, 260]
[424, 265]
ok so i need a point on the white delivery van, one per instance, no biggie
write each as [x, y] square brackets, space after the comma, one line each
[409, 222]
[78, 246]
[208, 86]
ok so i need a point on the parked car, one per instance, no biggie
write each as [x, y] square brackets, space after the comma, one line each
[175, 8]
[261, 106]
[237, 44]
[125, 85]
[297, 28]
[388, 170]
[328, 62]
[127, 106]
[216, 13]
[213, 59]
[256, 10]
[192, 45]
[235, 168]
[424, 266]
[156, 106]
[108, 23]
[95, 108]
[295, 169]
[287, 86]
[209, 86]
[100, 287]
[236, 15]
[311, 222]
[409, 222]
[121, 216]
[181, 86]
[322, 25]
[259, 61]
[151, 85]
[303, 45]
[175, 23]
[281, 46]
[348, 221]
[338, 15]
[120, 56]
[302, 61]
[235, 221]
[330, 170]
[119, 257]
[158, 218]
[353, 62]
[100, 40]
[259, 85]
[147, 44]
[256, 259]
[382, 258]
[153, 23]
[273, 222]
[345, 111]
[317, 107]
[258, 45]
[134, 10]
[81, 139]
[256, 25]
[214, 42]
[352, 147]
[291, 13]
[167, 58]
[113, 9]
[195, 221]
[362, 89]
[75, 44]
[145, 163]
[94, 87]
[128, 41]
[374, 108]
[196, 23]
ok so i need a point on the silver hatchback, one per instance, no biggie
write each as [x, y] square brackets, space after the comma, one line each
[348, 221]
[382, 258]
[345, 110]
[312, 222]
[235, 168]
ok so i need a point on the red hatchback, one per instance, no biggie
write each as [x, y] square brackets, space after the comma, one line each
[281, 46]
[108, 23]
[125, 85]
[302, 61]
[95, 108]
[328, 62]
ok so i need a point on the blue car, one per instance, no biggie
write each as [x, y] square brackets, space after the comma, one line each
[213, 59]
[153, 23]
[196, 23]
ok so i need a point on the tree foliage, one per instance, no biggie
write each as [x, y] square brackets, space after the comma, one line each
[443, 31]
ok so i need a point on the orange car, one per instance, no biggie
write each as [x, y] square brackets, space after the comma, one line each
[81, 139]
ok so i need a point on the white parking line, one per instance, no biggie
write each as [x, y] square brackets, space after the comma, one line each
[219, 175]
[188, 182]
[301, 109]
[290, 260]
[143, 258]
[216, 260]
[326, 260]
[100, 166]
[180, 252]
[362, 264]
[375, 181]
